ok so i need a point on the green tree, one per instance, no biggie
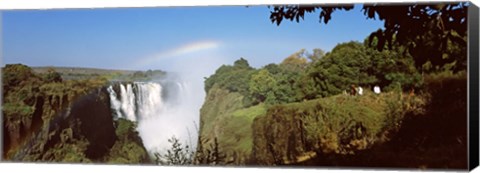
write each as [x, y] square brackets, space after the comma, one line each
[233, 78]
[354, 63]
[139, 75]
[316, 55]
[20, 87]
[286, 90]
[273, 68]
[426, 30]
[241, 64]
[211, 154]
[15, 74]
[393, 67]
[347, 64]
[307, 87]
[286, 82]
[295, 62]
[261, 86]
[52, 76]
[176, 155]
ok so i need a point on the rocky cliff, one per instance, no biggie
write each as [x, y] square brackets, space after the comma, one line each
[61, 121]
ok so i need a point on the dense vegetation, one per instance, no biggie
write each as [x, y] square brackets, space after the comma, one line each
[304, 76]
[430, 32]
[299, 112]
[47, 118]
[433, 37]
[341, 124]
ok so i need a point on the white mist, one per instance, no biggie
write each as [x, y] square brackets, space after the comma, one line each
[158, 117]
[179, 114]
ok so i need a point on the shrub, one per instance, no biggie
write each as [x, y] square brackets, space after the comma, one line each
[176, 155]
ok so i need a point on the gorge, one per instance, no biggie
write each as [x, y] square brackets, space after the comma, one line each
[94, 119]
[160, 110]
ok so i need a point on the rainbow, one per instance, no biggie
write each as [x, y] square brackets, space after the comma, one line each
[179, 51]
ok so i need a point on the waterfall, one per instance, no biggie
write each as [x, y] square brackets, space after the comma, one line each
[160, 110]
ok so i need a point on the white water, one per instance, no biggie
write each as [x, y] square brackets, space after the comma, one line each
[158, 119]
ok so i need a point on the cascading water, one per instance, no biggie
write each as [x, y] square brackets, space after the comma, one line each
[160, 110]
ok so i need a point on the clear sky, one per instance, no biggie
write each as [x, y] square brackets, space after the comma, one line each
[169, 38]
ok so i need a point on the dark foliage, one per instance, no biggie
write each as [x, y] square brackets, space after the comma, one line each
[297, 12]
[209, 154]
[176, 155]
[427, 31]
[17, 75]
[434, 138]
[52, 76]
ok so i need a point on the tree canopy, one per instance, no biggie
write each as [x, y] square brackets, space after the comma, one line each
[305, 76]
[416, 39]
[429, 31]
[234, 78]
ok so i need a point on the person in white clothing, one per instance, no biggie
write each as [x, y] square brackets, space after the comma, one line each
[376, 89]
[360, 91]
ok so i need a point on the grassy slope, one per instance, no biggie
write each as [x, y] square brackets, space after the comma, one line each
[423, 130]
[435, 137]
[223, 117]
[238, 129]
[215, 113]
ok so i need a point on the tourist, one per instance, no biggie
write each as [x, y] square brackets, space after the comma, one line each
[360, 91]
[376, 89]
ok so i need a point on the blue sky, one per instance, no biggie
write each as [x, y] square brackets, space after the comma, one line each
[170, 38]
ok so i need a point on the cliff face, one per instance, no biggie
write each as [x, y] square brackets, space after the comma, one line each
[219, 105]
[291, 133]
[62, 121]
[340, 127]
[392, 129]
[225, 121]
[87, 119]
[82, 131]
[23, 121]
[296, 132]
[215, 112]
[18, 129]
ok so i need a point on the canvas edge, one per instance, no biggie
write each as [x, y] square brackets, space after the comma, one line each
[473, 89]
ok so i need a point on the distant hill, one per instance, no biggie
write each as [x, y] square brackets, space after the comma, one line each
[81, 70]
[77, 73]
